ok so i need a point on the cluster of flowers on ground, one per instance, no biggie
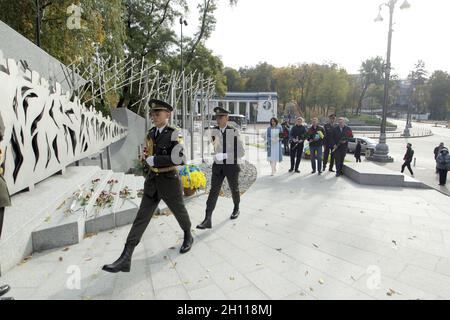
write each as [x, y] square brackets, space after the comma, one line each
[192, 177]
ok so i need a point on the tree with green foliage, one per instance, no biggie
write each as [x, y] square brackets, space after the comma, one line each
[371, 74]
[439, 86]
[419, 95]
[235, 82]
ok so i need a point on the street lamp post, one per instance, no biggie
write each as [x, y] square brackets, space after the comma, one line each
[406, 132]
[381, 153]
[184, 111]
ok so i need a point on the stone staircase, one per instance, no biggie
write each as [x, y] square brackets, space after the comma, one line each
[113, 201]
[58, 212]
[82, 212]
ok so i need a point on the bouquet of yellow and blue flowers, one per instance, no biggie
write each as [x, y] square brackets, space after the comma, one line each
[192, 178]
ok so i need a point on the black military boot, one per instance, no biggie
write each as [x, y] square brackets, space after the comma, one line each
[123, 264]
[235, 214]
[206, 224]
[4, 290]
[187, 243]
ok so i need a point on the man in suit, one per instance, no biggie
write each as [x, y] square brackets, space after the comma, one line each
[342, 134]
[228, 148]
[5, 200]
[163, 154]
[328, 142]
[297, 138]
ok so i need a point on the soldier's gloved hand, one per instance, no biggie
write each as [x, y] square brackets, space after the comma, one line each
[221, 156]
[151, 161]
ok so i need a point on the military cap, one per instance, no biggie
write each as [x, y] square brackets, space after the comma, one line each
[333, 115]
[221, 111]
[156, 104]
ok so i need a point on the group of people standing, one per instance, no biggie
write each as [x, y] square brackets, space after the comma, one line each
[329, 142]
[442, 157]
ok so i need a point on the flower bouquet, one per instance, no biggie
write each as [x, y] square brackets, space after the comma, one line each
[318, 136]
[315, 135]
[344, 139]
[192, 179]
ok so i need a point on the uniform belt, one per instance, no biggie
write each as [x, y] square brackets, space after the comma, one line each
[163, 170]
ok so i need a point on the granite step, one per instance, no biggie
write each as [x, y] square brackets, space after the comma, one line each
[66, 225]
[102, 215]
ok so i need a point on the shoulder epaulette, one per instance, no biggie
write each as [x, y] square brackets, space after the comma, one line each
[173, 128]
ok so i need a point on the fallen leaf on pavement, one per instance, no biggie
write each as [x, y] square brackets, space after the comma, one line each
[306, 273]
[321, 281]
[315, 245]
[232, 278]
[60, 259]
[61, 205]
[66, 249]
[88, 259]
[279, 249]
[25, 260]
[391, 292]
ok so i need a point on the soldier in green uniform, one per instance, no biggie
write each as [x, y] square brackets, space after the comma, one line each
[228, 148]
[163, 154]
[5, 200]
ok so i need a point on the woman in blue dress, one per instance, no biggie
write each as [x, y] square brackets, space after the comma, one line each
[274, 153]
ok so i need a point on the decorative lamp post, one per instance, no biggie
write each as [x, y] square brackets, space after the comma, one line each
[381, 153]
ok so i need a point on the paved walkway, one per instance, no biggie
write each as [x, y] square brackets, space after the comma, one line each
[298, 237]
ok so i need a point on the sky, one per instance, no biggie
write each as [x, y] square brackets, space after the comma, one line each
[284, 32]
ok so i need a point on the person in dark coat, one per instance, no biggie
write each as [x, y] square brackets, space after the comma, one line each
[342, 134]
[436, 152]
[443, 165]
[285, 128]
[358, 151]
[297, 138]
[162, 156]
[5, 199]
[228, 149]
[328, 142]
[408, 158]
